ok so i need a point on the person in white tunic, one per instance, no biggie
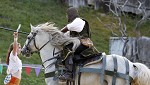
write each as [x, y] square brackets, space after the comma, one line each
[77, 27]
[13, 61]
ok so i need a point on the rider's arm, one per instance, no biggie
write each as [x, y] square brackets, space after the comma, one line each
[15, 43]
[65, 29]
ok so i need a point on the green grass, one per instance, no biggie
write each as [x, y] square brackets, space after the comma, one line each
[24, 12]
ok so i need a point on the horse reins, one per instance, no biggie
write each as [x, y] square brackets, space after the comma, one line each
[33, 38]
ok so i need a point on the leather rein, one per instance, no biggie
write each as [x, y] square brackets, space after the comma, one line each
[38, 49]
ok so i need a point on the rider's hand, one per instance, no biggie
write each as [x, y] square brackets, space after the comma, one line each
[15, 35]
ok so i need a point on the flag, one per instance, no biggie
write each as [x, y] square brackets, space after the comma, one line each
[1, 68]
[28, 70]
[37, 71]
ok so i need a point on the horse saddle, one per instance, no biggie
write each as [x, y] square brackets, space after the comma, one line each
[81, 61]
[88, 55]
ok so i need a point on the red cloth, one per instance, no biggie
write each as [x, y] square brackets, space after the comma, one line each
[14, 81]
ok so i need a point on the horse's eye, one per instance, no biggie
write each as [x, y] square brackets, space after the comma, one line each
[28, 37]
[33, 33]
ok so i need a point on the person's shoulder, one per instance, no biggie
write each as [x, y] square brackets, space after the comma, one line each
[12, 55]
[78, 19]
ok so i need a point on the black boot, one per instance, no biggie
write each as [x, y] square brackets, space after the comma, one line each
[68, 75]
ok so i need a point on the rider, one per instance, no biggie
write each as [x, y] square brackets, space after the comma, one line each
[77, 27]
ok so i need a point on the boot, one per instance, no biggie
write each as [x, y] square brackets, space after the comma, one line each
[68, 75]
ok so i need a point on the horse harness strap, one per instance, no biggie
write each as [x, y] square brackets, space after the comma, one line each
[33, 38]
[42, 46]
[50, 74]
[104, 72]
[58, 69]
[128, 78]
[115, 70]
[50, 59]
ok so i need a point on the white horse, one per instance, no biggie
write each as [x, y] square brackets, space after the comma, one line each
[45, 38]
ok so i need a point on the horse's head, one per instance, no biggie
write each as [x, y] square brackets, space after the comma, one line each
[44, 34]
[37, 39]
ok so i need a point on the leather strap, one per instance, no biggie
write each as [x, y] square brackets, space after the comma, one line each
[118, 74]
[107, 72]
[102, 75]
[90, 70]
[115, 70]
[128, 80]
[114, 73]
[50, 74]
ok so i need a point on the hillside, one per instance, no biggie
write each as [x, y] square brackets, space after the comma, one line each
[35, 12]
[25, 12]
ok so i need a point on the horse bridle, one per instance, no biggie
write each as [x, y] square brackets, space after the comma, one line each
[38, 49]
[30, 39]
[33, 38]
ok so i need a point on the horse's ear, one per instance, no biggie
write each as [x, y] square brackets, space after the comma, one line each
[135, 67]
[32, 27]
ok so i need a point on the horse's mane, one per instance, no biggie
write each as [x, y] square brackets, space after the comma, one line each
[48, 26]
[58, 38]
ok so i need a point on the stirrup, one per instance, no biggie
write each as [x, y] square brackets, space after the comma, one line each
[63, 78]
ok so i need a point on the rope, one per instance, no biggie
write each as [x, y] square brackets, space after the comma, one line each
[14, 30]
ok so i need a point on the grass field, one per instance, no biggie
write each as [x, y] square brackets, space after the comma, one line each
[24, 12]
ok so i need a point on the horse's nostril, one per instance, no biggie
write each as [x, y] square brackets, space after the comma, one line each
[23, 51]
[27, 51]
